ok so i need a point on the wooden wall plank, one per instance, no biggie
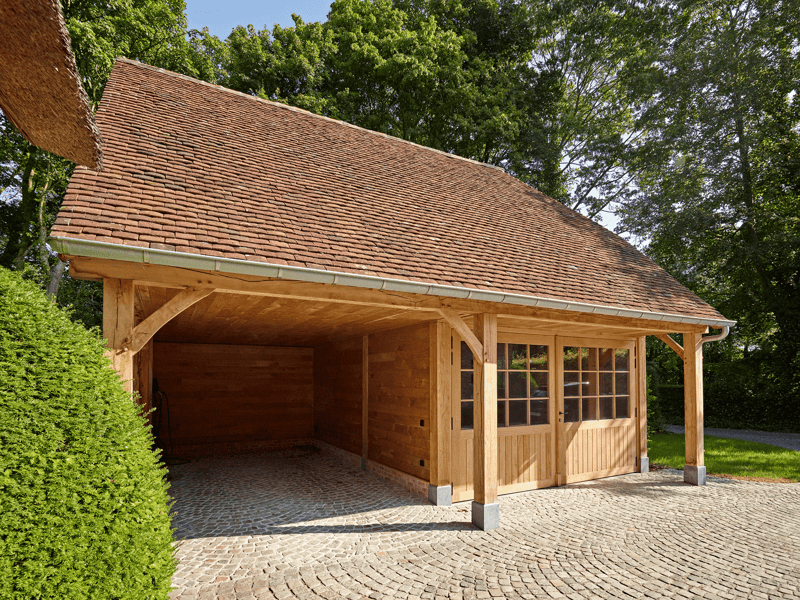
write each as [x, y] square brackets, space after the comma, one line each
[400, 399]
[234, 394]
[338, 394]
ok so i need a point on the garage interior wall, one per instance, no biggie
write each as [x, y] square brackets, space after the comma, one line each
[223, 397]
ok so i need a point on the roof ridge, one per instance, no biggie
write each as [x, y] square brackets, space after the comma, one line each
[308, 112]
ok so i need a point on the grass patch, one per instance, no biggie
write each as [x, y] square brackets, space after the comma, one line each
[729, 458]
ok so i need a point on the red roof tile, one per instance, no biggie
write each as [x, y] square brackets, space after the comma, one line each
[192, 167]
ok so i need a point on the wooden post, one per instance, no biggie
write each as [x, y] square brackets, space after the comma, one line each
[118, 326]
[485, 509]
[641, 403]
[364, 401]
[695, 471]
[439, 488]
[143, 376]
[561, 441]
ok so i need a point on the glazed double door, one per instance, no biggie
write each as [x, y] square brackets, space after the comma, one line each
[565, 412]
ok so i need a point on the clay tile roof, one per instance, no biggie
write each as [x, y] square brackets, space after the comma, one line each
[40, 88]
[197, 169]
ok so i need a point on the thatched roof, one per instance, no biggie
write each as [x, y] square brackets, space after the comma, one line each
[40, 88]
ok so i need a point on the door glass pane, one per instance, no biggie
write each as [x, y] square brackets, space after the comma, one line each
[466, 415]
[539, 414]
[539, 358]
[606, 407]
[606, 384]
[571, 385]
[466, 356]
[538, 385]
[589, 409]
[588, 384]
[466, 385]
[571, 410]
[623, 412]
[606, 359]
[589, 359]
[501, 356]
[501, 385]
[622, 383]
[501, 414]
[517, 356]
[571, 361]
[517, 385]
[621, 360]
[517, 412]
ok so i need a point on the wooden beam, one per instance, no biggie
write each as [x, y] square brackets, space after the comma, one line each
[173, 277]
[485, 415]
[118, 327]
[457, 323]
[145, 330]
[364, 401]
[693, 399]
[440, 403]
[641, 400]
[676, 347]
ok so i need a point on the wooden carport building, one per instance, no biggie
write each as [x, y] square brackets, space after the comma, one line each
[289, 278]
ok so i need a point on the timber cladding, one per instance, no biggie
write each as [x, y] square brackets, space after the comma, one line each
[234, 394]
[337, 394]
[399, 400]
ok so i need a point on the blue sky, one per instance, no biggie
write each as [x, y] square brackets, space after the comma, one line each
[220, 16]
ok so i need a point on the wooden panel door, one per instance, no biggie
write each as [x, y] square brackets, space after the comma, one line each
[597, 408]
[526, 448]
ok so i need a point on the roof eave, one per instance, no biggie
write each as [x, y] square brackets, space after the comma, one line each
[106, 250]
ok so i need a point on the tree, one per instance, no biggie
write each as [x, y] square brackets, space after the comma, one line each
[719, 172]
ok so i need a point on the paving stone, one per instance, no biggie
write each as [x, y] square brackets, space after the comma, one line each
[303, 525]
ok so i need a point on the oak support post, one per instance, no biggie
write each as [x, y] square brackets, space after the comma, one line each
[485, 508]
[143, 376]
[440, 491]
[364, 401]
[118, 327]
[641, 403]
[695, 471]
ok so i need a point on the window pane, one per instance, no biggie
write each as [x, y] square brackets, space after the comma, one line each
[588, 384]
[571, 385]
[589, 359]
[517, 412]
[621, 360]
[539, 358]
[538, 385]
[539, 414]
[606, 384]
[501, 385]
[589, 409]
[466, 385]
[517, 356]
[501, 414]
[571, 361]
[501, 356]
[517, 384]
[466, 356]
[622, 383]
[623, 412]
[606, 359]
[571, 410]
[606, 408]
[466, 415]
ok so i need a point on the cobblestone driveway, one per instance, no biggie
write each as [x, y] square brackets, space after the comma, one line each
[302, 524]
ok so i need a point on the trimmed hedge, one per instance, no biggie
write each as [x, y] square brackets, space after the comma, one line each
[83, 498]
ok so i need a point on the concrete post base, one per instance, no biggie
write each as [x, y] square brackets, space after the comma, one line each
[694, 475]
[486, 516]
[644, 464]
[440, 495]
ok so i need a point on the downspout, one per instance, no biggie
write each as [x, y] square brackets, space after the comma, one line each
[717, 336]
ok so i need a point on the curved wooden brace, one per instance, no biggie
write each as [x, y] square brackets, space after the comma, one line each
[457, 323]
[676, 347]
[149, 327]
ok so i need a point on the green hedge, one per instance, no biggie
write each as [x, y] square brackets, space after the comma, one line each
[83, 499]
